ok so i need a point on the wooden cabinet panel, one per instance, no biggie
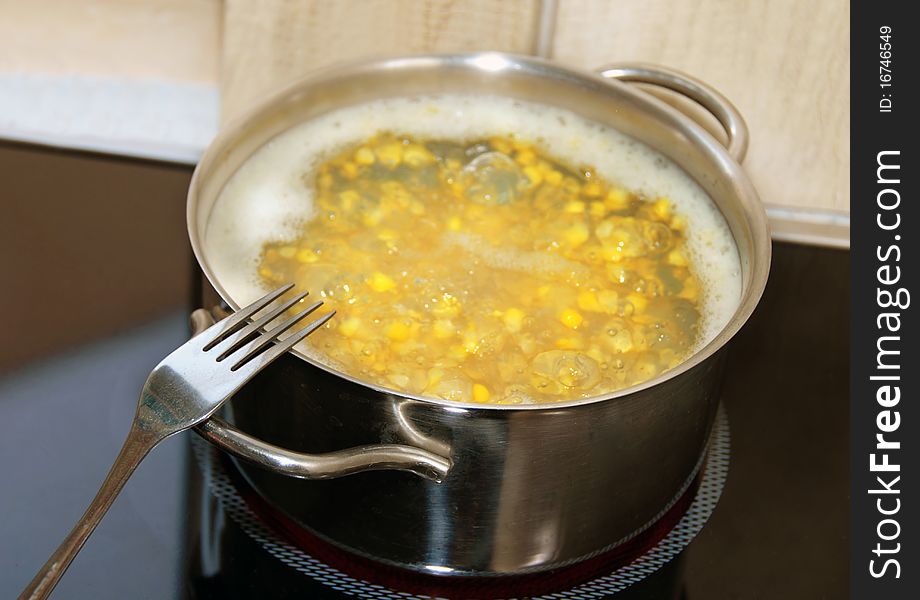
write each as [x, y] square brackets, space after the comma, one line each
[784, 63]
[269, 43]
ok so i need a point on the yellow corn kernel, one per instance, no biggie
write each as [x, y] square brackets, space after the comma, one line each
[501, 145]
[381, 283]
[552, 176]
[457, 352]
[471, 342]
[533, 175]
[691, 290]
[639, 302]
[644, 319]
[349, 199]
[621, 340]
[592, 189]
[525, 157]
[612, 254]
[597, 209]
[513, 319]
[435, 375]
[396, 192]
[677, 258]
[475, 212]
[287, 252]
[596, 353]
[454, 223]
[481, 393]
[349, 327]
[416, 155]
[616, 199]
[661, 208]
[398, 331]
[543, 290]
[608, 300]
[416, 208]
[390, 154]
[372, 217]
[678, 223]
[364, 156]
[518, 143]
[387, 235]
[571, 318]
[587, 300]
[569, 343]
[265, 273]
[576, 235]
[571, 185]
[574, 207]
[527, 344]
[447, 306]
[307, 256]
[325, 181]
[350, 170]
[443, 329]
[399, 380]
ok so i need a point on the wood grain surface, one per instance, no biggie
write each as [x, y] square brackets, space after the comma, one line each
[162, 39]
[784, 63]
[269, 43]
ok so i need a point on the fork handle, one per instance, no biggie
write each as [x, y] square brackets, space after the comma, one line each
[135, 448]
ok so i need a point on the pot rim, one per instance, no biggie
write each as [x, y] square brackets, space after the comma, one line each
[496, 62]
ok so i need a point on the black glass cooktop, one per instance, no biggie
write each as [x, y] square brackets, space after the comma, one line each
[780, 529]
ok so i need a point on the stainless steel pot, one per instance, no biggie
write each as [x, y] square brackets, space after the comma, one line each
[473, 489]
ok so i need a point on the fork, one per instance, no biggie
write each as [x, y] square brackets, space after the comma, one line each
[185, 389]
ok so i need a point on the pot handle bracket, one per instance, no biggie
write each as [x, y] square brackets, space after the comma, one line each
[718, 105]
[316, 466]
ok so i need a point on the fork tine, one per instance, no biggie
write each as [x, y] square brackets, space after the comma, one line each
[237, 339]
[260, 343]
[238, 319]
[258, 363]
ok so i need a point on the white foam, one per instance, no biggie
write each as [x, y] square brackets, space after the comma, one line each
[267, 198]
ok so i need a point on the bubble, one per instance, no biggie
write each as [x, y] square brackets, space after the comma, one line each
[455, 387]
[561, 370]
[492, 178]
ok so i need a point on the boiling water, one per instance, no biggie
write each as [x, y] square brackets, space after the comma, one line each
[272, 198]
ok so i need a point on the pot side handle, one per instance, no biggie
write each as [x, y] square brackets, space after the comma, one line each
[701, 93]
[316, 466]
